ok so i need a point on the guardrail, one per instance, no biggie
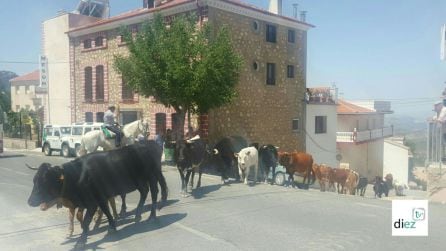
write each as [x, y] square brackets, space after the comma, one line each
[366, 135]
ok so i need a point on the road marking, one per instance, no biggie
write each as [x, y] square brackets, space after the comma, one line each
[196, 232]
[370, 205]
[16, 172]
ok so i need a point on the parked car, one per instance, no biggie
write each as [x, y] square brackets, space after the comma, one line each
[71, 143]
[52, 138]
[281, 177]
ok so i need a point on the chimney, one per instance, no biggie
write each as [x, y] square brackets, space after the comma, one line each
[148, 4]
[303, 16]
[295, 12]
[275, 6]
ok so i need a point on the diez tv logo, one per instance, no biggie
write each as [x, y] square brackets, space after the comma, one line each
[410, 218]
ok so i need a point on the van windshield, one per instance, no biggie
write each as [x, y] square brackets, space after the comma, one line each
[77, 130]
[65, 130]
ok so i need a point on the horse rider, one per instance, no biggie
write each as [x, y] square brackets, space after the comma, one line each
[109, 123]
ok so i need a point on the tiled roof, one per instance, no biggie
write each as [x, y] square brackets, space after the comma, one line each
[345, 107]
[35, 75]
[142, 11]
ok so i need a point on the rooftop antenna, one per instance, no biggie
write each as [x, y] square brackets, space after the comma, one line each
[295, 5]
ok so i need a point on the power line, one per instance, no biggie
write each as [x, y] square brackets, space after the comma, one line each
[29, 62]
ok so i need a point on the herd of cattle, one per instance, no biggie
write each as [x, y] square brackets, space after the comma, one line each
[93, 180]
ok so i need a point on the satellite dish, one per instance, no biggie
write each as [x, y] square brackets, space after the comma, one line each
[338, 157]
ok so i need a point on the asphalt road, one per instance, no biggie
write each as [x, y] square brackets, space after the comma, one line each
[215, 217]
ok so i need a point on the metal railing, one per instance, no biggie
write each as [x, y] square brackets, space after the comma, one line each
[367, 135]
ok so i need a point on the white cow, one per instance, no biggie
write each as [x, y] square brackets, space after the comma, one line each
[248, 157]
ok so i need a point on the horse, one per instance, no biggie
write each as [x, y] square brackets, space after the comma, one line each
[94, 139]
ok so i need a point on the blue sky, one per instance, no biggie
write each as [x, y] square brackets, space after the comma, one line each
[371, 49]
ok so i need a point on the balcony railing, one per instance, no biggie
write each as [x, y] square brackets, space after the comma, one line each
[362, 136]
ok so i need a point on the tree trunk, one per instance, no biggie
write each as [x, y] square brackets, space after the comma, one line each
[189, 127]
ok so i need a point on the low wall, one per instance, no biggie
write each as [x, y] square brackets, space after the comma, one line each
[19, 143]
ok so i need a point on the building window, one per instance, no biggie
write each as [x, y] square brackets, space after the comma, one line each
[291, 36]
[255, 26]
[160, 123]
[88, 83]
[87, 43]
[320, 124]
[17, 90]
[255, 66]
[27, 89]
[88, 117]
[295, 125]
[99, 117]
[290, 71]
[127, 92]
[99, 42]
[100, 83]
[270, 74]
[17, 108]
[27, 107]
[271, 31]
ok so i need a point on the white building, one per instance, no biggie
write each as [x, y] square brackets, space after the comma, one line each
[360, 136]
[396, 160]
[56, 48]
[321, 125]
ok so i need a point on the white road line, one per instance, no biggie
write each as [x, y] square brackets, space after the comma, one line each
[196, 232]
[370, 205]
[14, 171]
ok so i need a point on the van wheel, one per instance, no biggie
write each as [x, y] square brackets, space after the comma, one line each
[279, 179]
[77, 150]
[65, 150]
[47, 149]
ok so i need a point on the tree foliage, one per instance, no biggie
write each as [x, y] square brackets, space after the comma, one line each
[181, 64]
[5, 90]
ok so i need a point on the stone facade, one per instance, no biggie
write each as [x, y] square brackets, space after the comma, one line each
[263, 113]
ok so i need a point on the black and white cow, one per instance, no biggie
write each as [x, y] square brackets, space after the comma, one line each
[89, 181]
[190, 156]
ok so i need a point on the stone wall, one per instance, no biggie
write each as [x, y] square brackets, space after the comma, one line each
[263, 113]
[19, 143]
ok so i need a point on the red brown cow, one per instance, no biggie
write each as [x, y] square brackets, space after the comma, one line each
[351, 182]
[299, 162]
[322, 173]
[338, 175]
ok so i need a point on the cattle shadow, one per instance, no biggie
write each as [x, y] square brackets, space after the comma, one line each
[201, 192]
[135, 228]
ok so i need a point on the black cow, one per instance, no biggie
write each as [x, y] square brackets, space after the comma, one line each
[380, 187]
[362, 186]
[190, 156]
[223, 156]
[268, 158]
[90, 180]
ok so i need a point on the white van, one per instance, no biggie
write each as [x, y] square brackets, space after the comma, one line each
[71, 143]
[52, 138]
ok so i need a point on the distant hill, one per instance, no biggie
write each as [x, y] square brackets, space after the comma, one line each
[414, 131]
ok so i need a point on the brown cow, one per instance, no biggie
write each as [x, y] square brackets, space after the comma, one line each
[322, 173]
[338, 175]
[351, 182]
[299, 162]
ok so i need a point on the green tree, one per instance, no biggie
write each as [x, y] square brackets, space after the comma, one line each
[182, 65]
[5, 92]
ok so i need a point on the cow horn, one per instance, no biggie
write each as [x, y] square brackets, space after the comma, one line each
[215, 151]
[30, 167]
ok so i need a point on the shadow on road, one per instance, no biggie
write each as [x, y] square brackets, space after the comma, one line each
[11, 156]
[201, 192]
[132, 229]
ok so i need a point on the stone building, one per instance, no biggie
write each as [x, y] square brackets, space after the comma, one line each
[270, 105]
